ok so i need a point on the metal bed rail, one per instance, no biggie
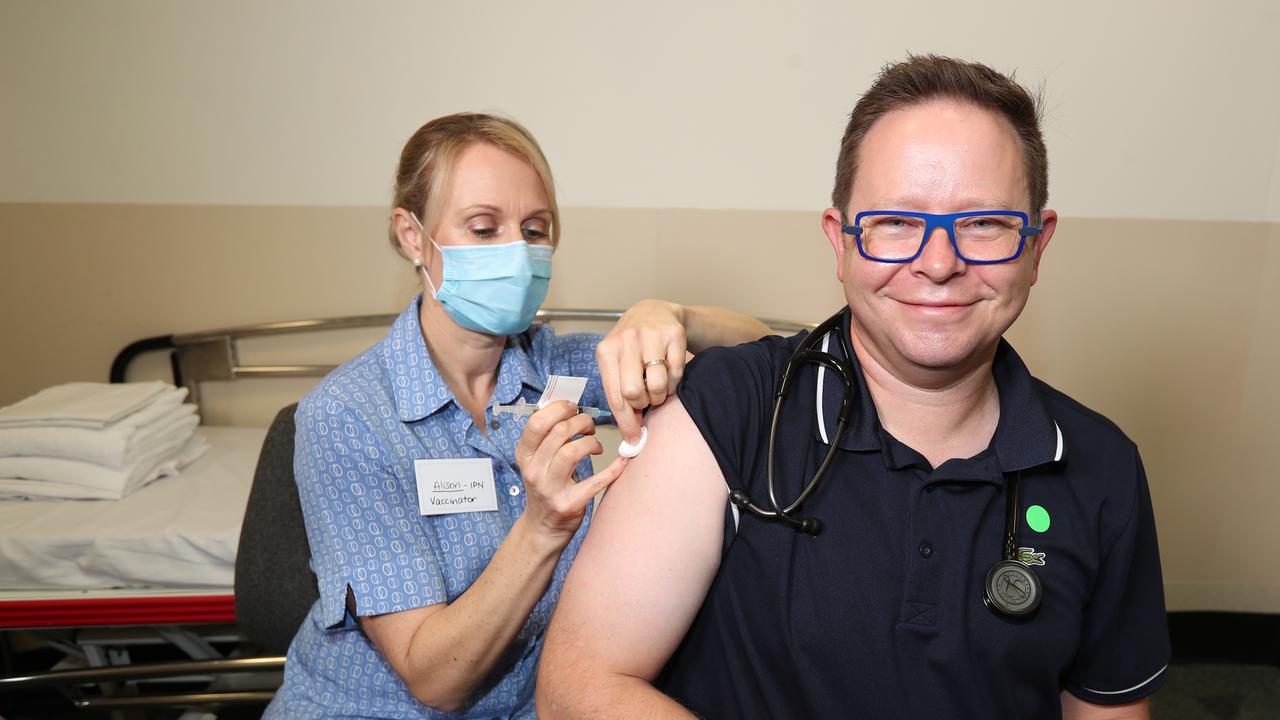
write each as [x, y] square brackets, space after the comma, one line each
[72, 682]
[213, 355]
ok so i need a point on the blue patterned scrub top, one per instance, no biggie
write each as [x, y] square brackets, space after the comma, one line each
[359, 432]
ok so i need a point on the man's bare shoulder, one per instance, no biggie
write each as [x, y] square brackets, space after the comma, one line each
[642, 573]
[674, 441]
[675, 478]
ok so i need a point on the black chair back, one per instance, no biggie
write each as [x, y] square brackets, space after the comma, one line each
[274, 585]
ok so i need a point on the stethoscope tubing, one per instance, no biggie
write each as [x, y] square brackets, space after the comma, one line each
[804, 354]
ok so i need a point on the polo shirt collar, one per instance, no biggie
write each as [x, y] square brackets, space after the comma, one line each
[518, 370]
[417, 387]
[863, 433]
[1026, 436]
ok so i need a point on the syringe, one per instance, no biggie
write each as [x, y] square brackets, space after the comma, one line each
[520, 407]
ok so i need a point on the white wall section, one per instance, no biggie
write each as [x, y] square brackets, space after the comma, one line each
[1155, 109]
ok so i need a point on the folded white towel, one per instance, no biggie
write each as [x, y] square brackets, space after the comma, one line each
[116, 445]
[89, 405]
[34, 478]
[161, 405]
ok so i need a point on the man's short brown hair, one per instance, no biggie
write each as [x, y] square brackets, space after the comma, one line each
[921, 78]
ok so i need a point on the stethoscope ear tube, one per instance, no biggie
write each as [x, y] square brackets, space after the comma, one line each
[808, 525]
[803, 355]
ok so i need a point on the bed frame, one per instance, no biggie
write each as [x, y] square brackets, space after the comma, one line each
[213, 356]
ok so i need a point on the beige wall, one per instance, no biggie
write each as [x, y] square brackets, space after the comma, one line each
[1133, 318]
[74, 299]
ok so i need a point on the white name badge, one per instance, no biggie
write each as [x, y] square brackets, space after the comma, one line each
[455, 485]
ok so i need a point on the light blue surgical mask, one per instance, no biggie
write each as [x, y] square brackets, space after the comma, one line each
[494, 289]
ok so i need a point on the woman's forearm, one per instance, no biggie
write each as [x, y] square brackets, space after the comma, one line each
[443, 652]
[706, 326]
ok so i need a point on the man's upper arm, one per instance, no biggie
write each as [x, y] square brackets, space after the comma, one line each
[645, 566]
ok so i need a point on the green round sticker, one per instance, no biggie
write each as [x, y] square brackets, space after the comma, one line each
[1037, 518]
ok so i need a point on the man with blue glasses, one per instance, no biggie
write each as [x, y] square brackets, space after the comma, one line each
[887, 517]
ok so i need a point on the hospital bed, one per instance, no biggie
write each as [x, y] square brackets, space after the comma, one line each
[96, 580]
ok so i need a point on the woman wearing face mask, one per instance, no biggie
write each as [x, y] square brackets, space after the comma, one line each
[441, 532]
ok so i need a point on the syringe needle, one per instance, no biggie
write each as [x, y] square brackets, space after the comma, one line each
[521, 407]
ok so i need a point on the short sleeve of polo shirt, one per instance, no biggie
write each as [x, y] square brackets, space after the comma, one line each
[1124, 642]
[362, 526]
[728, 393]
[571, 354]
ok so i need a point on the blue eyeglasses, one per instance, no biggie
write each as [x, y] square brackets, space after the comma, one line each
[979, 237]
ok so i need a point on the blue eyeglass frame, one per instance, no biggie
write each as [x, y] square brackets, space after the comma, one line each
[946, 222]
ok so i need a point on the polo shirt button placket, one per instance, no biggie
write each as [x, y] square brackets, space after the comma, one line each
[926, 549]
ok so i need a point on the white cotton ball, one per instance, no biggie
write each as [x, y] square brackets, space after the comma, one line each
[627, 450]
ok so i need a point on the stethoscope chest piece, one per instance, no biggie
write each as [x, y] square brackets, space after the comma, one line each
[1012, 589]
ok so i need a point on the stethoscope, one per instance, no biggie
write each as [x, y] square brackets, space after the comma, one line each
[1011, 588]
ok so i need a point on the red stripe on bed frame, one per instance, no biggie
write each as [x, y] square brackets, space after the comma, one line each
[86, 612]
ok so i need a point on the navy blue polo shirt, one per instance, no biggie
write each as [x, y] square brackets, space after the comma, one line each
[881, 615]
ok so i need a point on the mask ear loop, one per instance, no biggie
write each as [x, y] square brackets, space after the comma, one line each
[418, 262]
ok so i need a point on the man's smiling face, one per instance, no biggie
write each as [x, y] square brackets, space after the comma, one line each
[936, 313]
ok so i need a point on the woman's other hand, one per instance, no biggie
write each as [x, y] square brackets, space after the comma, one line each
[649, 332]
[555, 440]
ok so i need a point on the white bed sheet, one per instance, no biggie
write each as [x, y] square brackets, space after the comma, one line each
[179, 531]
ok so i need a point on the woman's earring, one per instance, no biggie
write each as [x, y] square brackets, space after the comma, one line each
[417, 263]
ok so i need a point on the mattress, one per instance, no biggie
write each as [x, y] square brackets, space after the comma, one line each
[178, 532]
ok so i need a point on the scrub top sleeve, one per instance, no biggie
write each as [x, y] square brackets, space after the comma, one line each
[363, 527]
[1124, 648]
